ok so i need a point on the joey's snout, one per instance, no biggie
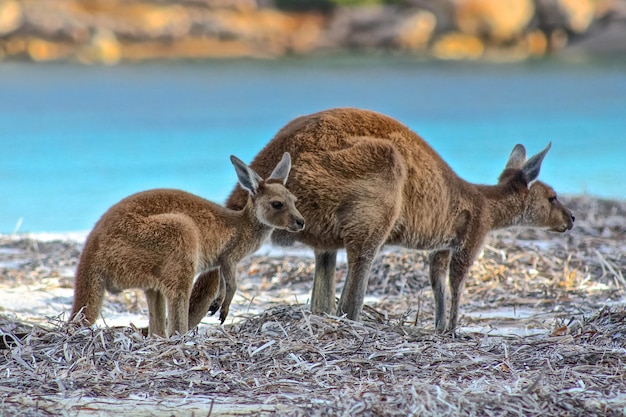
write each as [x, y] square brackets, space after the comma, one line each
[297, 224]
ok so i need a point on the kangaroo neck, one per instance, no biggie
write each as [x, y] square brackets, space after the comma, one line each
[503, 204]
[248, 215]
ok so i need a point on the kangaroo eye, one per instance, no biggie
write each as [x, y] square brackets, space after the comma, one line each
[277, 205]
[552, 199]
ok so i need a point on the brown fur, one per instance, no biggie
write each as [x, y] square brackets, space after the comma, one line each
[158, 240]
[364, 180]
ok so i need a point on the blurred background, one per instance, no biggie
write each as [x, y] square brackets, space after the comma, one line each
[114, 31]
[103, 98]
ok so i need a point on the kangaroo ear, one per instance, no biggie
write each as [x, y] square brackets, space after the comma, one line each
[517, 157]
[281, 172]
[533, 165]
[248, 179]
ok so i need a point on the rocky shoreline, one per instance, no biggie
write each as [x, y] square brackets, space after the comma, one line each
[113, 31]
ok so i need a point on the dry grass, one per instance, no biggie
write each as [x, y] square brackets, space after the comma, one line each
[566, 357]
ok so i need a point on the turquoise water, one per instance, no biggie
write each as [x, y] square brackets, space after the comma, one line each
[75, 140]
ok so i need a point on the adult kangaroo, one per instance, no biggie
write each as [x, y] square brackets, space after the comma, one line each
[363, 180]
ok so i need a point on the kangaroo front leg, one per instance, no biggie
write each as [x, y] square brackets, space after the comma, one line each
[230, 287]
[323, 294]
[353, 294]
[203, 294]
[439, 262]
[156, 312]
[459, 266]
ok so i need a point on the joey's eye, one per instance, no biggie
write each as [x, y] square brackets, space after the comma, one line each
[552, 199]
[277, 205]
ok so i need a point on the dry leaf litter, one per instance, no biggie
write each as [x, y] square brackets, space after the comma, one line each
[543, 333]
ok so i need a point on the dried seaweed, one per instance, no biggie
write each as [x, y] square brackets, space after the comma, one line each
[286, 361]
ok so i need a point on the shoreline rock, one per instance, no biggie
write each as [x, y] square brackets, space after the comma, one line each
[112, 31]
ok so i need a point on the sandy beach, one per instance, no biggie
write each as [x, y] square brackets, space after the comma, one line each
[543, 332]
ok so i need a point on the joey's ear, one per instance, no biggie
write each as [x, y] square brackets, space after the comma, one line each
[281, 172]
[517, 157]
[248, 179]
[533, 165]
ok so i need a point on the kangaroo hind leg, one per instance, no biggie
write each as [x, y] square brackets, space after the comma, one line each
[323, 293]
[156, 312]
[89, 288]
[370, 205]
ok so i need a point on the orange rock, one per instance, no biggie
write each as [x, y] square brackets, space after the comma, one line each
[274, 32]
[578, 13]
[172, 20]
[103, 48]
[537, 43]
[498, 20]
[306, 33]
[43, 50]
[15, 46]
[10, 16]
[188, 48]
[458, 46]
[416, 30]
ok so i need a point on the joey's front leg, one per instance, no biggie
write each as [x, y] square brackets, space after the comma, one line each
[204, 295]
[219, 297]
[229, 283]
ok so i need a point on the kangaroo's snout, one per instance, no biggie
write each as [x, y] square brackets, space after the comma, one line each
[568, 224]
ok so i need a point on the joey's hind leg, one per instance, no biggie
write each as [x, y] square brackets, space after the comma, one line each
[204, 296]
[178, 291]
[88, 294]
[178, 317]
[156, 312]
[439, 262]
[323, 294]
[173, 273]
